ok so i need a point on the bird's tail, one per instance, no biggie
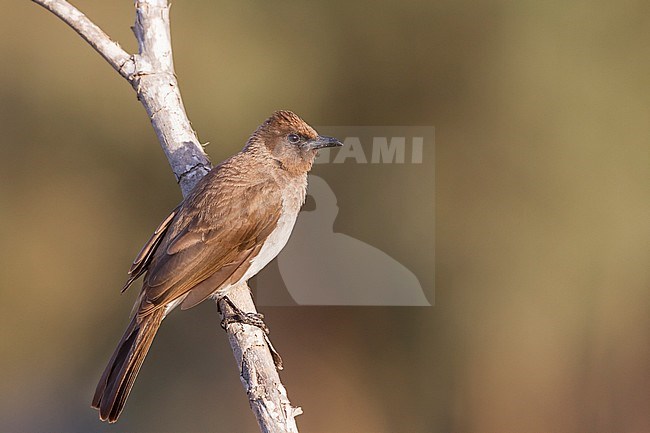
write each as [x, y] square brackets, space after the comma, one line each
[118, 378]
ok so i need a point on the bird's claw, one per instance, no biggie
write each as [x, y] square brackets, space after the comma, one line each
[253, 319]
[239, 316]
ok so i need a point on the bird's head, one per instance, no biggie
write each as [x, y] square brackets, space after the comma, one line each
[290, 141]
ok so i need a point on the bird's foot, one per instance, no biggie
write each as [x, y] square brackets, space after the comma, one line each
[253, 319]
[239, 316]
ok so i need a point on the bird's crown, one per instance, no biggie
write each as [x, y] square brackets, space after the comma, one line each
[284, 122]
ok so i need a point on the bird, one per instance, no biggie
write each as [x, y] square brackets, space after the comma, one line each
[232, 224]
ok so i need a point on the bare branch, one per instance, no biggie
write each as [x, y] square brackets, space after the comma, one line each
[266, 394]
[155, 83]
[119, 59]
[151, 73]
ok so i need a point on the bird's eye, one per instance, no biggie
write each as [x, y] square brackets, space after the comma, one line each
[293, 138]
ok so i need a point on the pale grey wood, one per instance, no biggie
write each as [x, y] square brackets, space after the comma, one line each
[151, 73]
[119, 59]
[266, 394]
[154, 80]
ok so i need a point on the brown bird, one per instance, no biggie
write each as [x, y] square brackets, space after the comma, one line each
[231, 225]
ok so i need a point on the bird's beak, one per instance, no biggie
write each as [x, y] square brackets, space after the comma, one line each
[322, 141]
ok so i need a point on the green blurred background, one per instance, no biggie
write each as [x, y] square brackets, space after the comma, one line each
[541, 112]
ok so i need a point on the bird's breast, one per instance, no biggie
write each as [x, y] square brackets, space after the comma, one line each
[274, 242]
[292, 200]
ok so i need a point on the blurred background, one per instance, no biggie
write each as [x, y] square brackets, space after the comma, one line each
[541, 319]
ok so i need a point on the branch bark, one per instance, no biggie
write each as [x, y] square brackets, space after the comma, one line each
[111, 51]
[151, 73]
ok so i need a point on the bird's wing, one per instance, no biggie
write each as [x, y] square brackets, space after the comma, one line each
[213, 247]
[142, 260]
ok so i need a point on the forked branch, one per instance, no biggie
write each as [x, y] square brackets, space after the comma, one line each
[111, 51]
